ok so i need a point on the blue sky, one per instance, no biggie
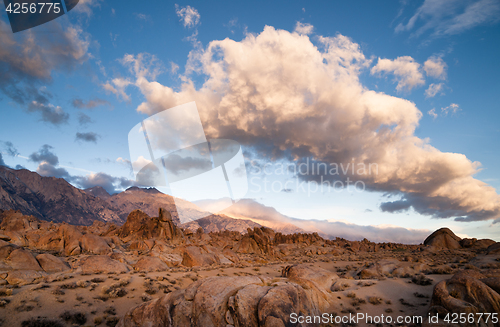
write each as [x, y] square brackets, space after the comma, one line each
[434, 57]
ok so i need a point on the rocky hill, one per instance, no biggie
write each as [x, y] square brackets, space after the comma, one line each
[54, 199]
[98, 192]
[51, 199]
[218, 223]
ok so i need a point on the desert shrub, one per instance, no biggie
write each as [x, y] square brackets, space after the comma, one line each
[23, 308]
[357, 301]
[77, 318]
[98, 280]
[68, 286]
[98, 320]
[150, 288]
[406, 303]
[124, 281]
[375, 300]
[82, 283]
[41, 323]
[112, 321]
[110, 311]
[421, 280]
[58, 291]
[5, 291]
[3, 303]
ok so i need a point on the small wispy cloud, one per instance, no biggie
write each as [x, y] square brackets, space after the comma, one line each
[405, 69]
[91, 104]
[84, 119]
[117, 86]
[444, 17]
[188, 15]
[433, 113]
[49, 113]
[452, 108]
[142, 16]
[87, 137]
[434, 89]
[304, 28]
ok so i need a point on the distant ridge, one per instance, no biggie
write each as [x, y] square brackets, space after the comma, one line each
[54, 199]
[51, 198]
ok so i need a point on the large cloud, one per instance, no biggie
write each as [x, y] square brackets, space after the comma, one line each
[287, 98]
[28, 59]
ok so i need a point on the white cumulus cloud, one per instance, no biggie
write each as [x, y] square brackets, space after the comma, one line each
[405, 69]
[304, 28]
[286, 98]
[435, 67]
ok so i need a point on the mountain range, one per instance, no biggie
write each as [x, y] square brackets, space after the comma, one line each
[54, 199]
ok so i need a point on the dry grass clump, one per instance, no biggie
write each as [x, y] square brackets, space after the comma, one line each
[78, 318]
[351, 295]
[98, 320]
[58, 291]
[367, 283]
[146, 297]
[406, 303]
[357, 301]
[150, 288]
[4, 302]
[375, 300]
[421, 280]
[112, 321]
[110, 311]
[68, 286]
[5, 291]
[41, 323]
[124, 281]
[98, 280]
[114, 291]
[420, 295]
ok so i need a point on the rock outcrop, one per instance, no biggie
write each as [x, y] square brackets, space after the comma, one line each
[240, 301]
[443, 238]
[139, 227]
[468, 291]
[97, 264]
[257, 241]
